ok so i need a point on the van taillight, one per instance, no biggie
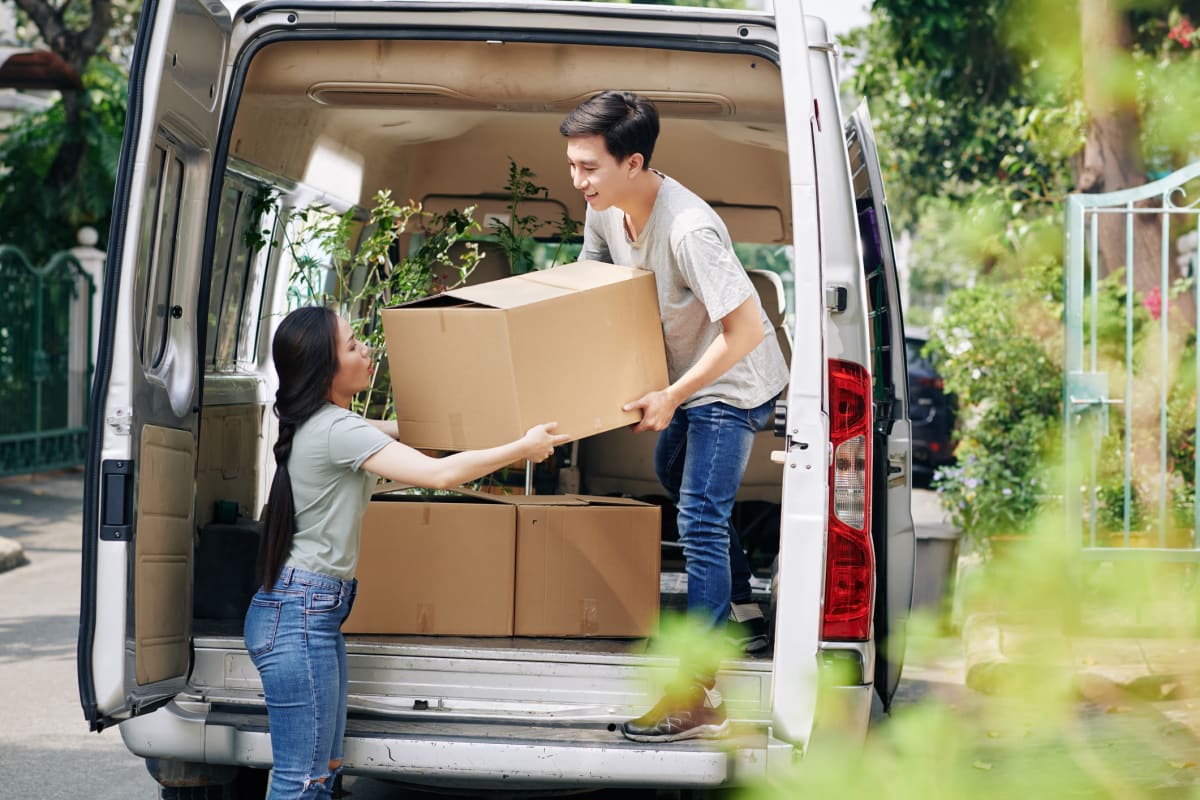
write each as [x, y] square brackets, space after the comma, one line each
[850, 558]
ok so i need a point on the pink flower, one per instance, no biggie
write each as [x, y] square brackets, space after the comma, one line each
[1153, 303]
[1182, 33]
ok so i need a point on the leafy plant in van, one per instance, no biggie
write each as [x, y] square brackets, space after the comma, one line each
[517, 235]
[355, 267]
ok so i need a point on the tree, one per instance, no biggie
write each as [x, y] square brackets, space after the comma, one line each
[1018, 102]
[61, 162]
[76, 43]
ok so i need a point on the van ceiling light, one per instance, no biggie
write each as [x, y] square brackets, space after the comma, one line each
[370, 94]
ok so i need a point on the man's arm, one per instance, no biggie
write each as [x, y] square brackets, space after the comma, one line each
[742, 330]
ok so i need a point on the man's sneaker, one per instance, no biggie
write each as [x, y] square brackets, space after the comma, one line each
[746, 628]
[693, 713]
[751, 636]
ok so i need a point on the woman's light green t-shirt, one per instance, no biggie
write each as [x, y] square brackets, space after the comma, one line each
[330, 489]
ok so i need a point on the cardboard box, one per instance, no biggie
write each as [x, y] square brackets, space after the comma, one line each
[478, 366]
[490, 565]
[435, 566]
[587, 566]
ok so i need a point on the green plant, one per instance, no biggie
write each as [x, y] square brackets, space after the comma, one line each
[1001, 361]
[42, 218]
[360, 279]
[517, 235]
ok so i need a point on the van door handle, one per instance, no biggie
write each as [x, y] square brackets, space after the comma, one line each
[116, 501]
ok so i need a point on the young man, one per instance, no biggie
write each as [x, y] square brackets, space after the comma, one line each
[723, 362]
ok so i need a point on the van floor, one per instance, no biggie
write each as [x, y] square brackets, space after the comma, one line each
[673, 600]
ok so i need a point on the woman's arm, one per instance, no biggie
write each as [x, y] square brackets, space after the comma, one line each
[387, 426]
[401, 463]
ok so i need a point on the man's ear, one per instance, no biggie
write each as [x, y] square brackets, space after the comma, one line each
[636, 162]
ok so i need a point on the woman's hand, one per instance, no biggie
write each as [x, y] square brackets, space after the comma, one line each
[538, 443]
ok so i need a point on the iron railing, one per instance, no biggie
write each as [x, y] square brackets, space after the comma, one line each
[45, 361]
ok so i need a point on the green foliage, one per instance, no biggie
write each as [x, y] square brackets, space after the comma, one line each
[517, 235]
[34, 215]
[998, 352]
[360, 279]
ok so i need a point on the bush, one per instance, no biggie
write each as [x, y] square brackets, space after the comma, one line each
[998, 347]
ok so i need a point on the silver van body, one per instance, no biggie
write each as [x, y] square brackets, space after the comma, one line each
[329, 101]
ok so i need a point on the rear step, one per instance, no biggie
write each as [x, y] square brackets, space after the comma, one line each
[523, 756]
[471, 679]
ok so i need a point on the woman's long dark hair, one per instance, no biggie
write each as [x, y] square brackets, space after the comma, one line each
[305, 354]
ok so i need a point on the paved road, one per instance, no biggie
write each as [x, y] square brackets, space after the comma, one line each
[46, 750]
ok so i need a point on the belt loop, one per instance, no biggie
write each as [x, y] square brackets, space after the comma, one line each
[286, 575]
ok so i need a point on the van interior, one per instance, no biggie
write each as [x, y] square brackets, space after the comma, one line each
[439, 122]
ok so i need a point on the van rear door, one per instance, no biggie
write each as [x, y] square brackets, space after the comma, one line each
[804, 510]
[134, 645]
[892, 526]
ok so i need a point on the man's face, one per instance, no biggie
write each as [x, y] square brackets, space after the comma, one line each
[603, 180]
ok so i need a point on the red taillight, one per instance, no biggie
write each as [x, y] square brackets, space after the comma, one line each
[850, 558]
[932, 383]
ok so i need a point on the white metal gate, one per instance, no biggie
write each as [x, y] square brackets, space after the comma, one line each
[1130, 415]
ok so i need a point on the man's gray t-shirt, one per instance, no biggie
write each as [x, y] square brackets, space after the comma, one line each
[330, 489]
[700, 281]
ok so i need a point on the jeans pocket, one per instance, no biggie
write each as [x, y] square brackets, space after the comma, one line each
[262, 621]
[323, 602]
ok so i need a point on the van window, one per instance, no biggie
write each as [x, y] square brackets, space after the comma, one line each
[156, 252]
[238, 275]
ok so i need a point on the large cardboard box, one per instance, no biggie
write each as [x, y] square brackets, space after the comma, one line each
[435, 566]
[478, 366]
[491, 565]
[587, 566]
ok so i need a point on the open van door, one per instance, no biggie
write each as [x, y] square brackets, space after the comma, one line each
[134, 645]
[892, 527]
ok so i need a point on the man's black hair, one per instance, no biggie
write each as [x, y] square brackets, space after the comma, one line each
[628, 123]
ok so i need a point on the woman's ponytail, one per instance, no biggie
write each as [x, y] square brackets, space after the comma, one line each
[279, 522]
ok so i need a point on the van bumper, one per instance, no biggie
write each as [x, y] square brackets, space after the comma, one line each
[465, 755]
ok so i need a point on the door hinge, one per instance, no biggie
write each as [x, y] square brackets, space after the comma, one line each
[837, 298]
[121, 421]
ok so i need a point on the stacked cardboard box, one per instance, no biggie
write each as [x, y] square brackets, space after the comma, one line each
[489, 565]
[479, 366]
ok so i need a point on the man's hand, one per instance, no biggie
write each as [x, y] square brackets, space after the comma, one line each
[657, 409]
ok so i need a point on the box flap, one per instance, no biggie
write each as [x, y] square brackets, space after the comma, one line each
[389, 491]
[534, 287]
[600, 500]
[525, 499]
[512, 292]
[583, 275]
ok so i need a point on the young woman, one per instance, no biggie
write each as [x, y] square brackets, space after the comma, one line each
[327, 458]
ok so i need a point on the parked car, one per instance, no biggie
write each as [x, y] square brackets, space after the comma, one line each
[330, 101]
[930, 408]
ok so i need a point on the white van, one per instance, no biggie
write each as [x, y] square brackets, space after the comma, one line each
[331, 100]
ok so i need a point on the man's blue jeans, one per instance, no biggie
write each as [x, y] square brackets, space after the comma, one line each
[700, 459]
[294, 637]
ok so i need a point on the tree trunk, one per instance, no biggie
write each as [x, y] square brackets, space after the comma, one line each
[69, 159]
[1111, 158]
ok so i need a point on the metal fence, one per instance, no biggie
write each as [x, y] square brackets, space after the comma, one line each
[1131, 364]
[45, 361]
